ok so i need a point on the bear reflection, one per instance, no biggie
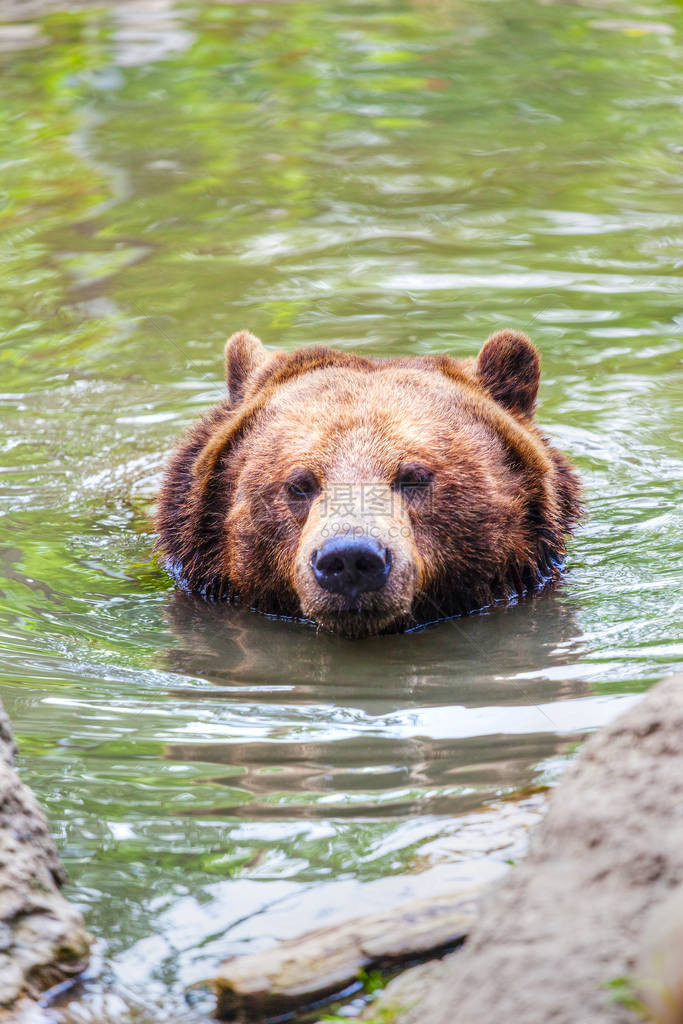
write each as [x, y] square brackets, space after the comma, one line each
[512, 659]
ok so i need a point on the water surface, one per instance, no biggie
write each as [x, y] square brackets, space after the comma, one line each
[390, 177]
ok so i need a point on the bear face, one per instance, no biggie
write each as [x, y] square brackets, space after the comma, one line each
[369, 495]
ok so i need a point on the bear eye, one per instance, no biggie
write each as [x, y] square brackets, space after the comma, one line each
[302, 486]
[413, 479]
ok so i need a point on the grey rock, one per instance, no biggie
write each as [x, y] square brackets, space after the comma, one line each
[565, 937]
[43, 939]
[659, 974]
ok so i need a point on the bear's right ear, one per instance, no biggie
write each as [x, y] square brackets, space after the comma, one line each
[244, 355]
[509, 367]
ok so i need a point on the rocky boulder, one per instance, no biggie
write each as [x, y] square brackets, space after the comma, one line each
[43, 940]
[589, 928]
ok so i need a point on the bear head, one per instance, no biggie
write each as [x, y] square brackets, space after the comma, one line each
[369, 495]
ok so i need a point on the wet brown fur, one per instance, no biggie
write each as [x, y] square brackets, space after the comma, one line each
[503, 500]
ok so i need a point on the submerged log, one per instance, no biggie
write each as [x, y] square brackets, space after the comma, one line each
[301, 972]
[43, 940]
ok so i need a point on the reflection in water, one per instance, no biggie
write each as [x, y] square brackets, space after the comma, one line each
[414, 719]
[395, 177]
[238, 648]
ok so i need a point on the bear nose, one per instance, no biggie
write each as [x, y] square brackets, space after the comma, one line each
[351, 565]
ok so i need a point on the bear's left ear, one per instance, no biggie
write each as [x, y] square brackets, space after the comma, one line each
[509, 367]
[244, 355]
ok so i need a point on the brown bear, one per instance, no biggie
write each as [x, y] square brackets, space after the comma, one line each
[369, 495]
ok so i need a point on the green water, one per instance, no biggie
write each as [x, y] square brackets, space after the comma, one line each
[390, 177]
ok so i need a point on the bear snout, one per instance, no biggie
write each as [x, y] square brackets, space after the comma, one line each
[357, 566]
[351, 565]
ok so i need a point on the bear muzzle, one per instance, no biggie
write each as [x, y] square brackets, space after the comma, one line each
[351, 565]
[356, 583]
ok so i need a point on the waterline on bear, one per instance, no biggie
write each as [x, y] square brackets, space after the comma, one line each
[429, 616]
[369, 495]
